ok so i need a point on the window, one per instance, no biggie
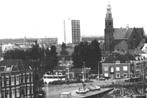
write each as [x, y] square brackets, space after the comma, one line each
[13, 92]
[28, 90]
[32, 91]
[27, 78]
[31, 75]
[117, 62]
[3, 94]
[3, 81]
[117, 75]
[12, 80]
[7, 93]
[125, 75]
[7, 80]
[109, 22]
[106, 75]
[112, 69]
[117, 68]
[24, 89]
[125, 68]
[17, 79]
[17, 92]
[23, 78]
[106, 68]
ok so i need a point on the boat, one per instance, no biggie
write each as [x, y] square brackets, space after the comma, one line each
[93, 88]
[82, 90]
[97, 87]
[48, 78]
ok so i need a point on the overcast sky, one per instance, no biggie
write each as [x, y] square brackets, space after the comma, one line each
[44, 18]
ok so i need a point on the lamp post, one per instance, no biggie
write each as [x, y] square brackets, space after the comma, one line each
[98, 69]
[83, 72]
[83, 75]
[144, 88]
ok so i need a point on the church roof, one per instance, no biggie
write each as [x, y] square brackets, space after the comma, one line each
[122, 33]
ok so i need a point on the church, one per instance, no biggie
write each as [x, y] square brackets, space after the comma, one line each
[121, 39]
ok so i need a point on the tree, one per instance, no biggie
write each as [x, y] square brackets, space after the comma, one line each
[35, 52]
[51, 58]
[79, 55]
[14, 54]
[88, 53]
[94, 56]
[63, 50]
[76, 57]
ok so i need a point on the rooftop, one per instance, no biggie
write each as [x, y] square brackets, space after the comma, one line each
[8, 66]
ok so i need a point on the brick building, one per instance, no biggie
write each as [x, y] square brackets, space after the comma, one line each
[118, 66]
[116, 70]
[122, 39]
[16, 80]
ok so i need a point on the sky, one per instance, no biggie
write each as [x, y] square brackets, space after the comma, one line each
[45, 18]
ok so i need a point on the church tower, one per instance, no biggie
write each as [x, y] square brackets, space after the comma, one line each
[109, 30]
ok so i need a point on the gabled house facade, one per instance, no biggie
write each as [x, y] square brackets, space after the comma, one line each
[16, 80]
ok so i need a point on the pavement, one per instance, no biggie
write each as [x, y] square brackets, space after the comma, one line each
[54, 91]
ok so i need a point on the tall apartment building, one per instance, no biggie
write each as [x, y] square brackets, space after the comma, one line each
[75, 26]
[16, 80]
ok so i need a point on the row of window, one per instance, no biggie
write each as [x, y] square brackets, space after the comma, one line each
[117, 75]
[117, 68]
[16, 79]
[17, 92]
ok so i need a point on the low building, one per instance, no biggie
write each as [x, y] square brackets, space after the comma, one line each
[118, 65]
[91, 38]
[116, 70]
[16, 80]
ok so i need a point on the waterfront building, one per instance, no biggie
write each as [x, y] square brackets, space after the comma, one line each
[16, 79]
[118, 66]
[116, 70]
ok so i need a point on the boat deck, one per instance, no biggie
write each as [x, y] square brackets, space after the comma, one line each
[90, 93]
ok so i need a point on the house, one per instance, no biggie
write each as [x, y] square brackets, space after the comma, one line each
[116, 70]
[118, 66]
